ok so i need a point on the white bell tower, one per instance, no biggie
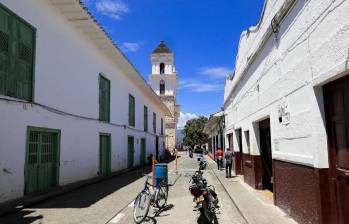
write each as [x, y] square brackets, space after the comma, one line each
[164, 83]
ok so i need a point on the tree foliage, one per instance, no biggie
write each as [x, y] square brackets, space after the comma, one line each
[193, 132]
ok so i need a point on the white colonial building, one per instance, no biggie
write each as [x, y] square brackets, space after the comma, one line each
[164, 83]
[287, 108]
[214, 128]
[72, 105]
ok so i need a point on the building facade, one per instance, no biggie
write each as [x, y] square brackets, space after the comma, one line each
[286, 108]
[164, 83]
[214, 128]
[72, 106]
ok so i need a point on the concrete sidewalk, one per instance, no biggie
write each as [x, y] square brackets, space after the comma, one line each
[254, 206]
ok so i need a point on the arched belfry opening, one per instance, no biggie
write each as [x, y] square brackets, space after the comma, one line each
[162, 68]
[162, 87]
[164, 83]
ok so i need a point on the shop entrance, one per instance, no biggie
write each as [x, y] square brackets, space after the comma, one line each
[336, 96]
[266, 154]
[240, 157]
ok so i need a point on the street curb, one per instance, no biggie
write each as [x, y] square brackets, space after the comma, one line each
[26, 201]
[231, 198]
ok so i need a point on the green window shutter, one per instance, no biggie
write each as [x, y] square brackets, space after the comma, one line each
[154, 122]
[17, 47]
[24, 62]
[131, 111]
[162, 126]
[4, 49]
[104, 99]
[145, 118]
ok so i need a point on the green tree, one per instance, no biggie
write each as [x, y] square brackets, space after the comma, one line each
[193, 132]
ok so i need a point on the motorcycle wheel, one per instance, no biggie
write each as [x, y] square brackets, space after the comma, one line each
[205, 212]
[214, 200]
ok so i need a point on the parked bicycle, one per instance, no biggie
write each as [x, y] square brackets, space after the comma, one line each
[148, 197]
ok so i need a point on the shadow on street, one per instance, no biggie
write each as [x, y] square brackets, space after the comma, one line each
[158, 213]
[22, 217]
[79, 198]
[88, 195]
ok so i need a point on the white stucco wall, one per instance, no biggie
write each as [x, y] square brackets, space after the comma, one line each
[66, 78]
[310, 50]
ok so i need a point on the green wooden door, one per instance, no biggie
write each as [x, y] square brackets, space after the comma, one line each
[104, 154]
[42, 160]
[130, 151]
[157, 147]
[143, 151]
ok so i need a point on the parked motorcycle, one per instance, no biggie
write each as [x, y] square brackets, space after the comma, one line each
[205, 197]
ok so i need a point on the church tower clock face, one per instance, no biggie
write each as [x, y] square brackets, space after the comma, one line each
[164, 82]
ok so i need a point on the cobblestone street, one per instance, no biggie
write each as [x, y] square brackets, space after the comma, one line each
[180, 202]
[111, 201]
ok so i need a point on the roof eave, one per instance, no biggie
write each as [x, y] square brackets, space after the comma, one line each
[79, 16]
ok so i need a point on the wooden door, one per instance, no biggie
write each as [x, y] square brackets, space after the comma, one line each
[42, 160]
[104, 154]
[336, 96]
[266, 154]
[130, 151]
[143, 151]
[157, 147]
[241, 159]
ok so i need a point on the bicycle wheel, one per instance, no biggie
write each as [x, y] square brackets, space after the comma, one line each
[164, 185]
[141, 206]
[161, 196]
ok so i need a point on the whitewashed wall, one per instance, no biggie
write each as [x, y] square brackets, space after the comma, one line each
[66, 78]
[311, 49]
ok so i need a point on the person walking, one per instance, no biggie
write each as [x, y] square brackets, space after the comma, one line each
[228, 155]
[219, 157]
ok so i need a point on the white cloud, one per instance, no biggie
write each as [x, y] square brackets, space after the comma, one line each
[200, 87]
[111, 8]
[130, 47]
[183, 118]
[215, 72]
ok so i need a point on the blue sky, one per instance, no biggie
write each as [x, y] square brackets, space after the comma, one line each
[203, 34]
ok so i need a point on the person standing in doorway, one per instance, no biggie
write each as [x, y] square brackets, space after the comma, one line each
[228, 155]
[219, 158]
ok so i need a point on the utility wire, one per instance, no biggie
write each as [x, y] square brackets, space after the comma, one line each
[63, 113]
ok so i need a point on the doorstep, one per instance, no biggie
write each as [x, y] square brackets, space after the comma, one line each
[256, 206]
[28, 200]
